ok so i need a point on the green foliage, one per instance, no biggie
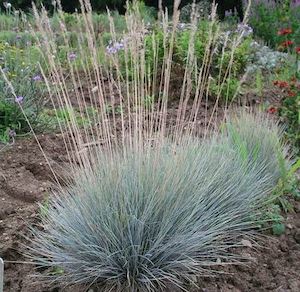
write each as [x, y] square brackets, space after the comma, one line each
[20, 72]
[18, 39]
[290, 111]
[62, 116]
[227, 90]
[203, 8]
[256, 139]
[278, 228]
[239, 55]
[267, 20]
[288, 186]
[101, 23]
[148, 14]
[273, 220]
[14, 21]
[44, 207]
[253, 141]
[155, 48]
[183, 40]
[56, 271]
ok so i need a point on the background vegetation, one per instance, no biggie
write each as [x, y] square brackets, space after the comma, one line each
[180, 175]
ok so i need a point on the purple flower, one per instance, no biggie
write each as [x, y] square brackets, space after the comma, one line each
[18, 37]
[181, 26]
[110, 50]
[37, 78]
[296, 3]
[228, 13]
[244, 29]
[72, 56]
[11, 133]
[19, 99]
[113, 48]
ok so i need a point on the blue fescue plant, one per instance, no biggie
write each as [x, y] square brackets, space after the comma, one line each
[150, 217]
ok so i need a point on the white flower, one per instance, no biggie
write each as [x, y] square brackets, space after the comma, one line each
[7, 5]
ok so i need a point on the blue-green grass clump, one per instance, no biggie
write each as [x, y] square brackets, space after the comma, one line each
[159, 216]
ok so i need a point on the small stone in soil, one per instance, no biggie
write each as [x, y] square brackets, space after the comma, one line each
[246, 243]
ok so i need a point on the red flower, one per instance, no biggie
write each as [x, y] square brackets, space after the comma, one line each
[297, 50]
[285, 31]
[291, 93]
[287, 43]
[272, 110]
[281, 84]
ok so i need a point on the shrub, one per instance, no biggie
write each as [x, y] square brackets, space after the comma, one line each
[17, 39]
[183, 39]
[266, 60]
[228, 90]
[143, 220]
[290, 109]
[268, 18]
[14, 21]
[203, 8]
[229, 58]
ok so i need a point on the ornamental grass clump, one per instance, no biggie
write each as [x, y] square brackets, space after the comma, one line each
[257, 138]
[152, 217]
[154, 200]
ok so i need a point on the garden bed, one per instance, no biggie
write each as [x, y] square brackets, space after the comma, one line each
[25, 181]
[150, 206]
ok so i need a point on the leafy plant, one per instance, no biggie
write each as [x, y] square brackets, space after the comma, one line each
[290, 109]
[269, 61]
[21, 97]
[56, 118]
[268, 18]
[275, 220]
[202, 7]
[228, 89]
